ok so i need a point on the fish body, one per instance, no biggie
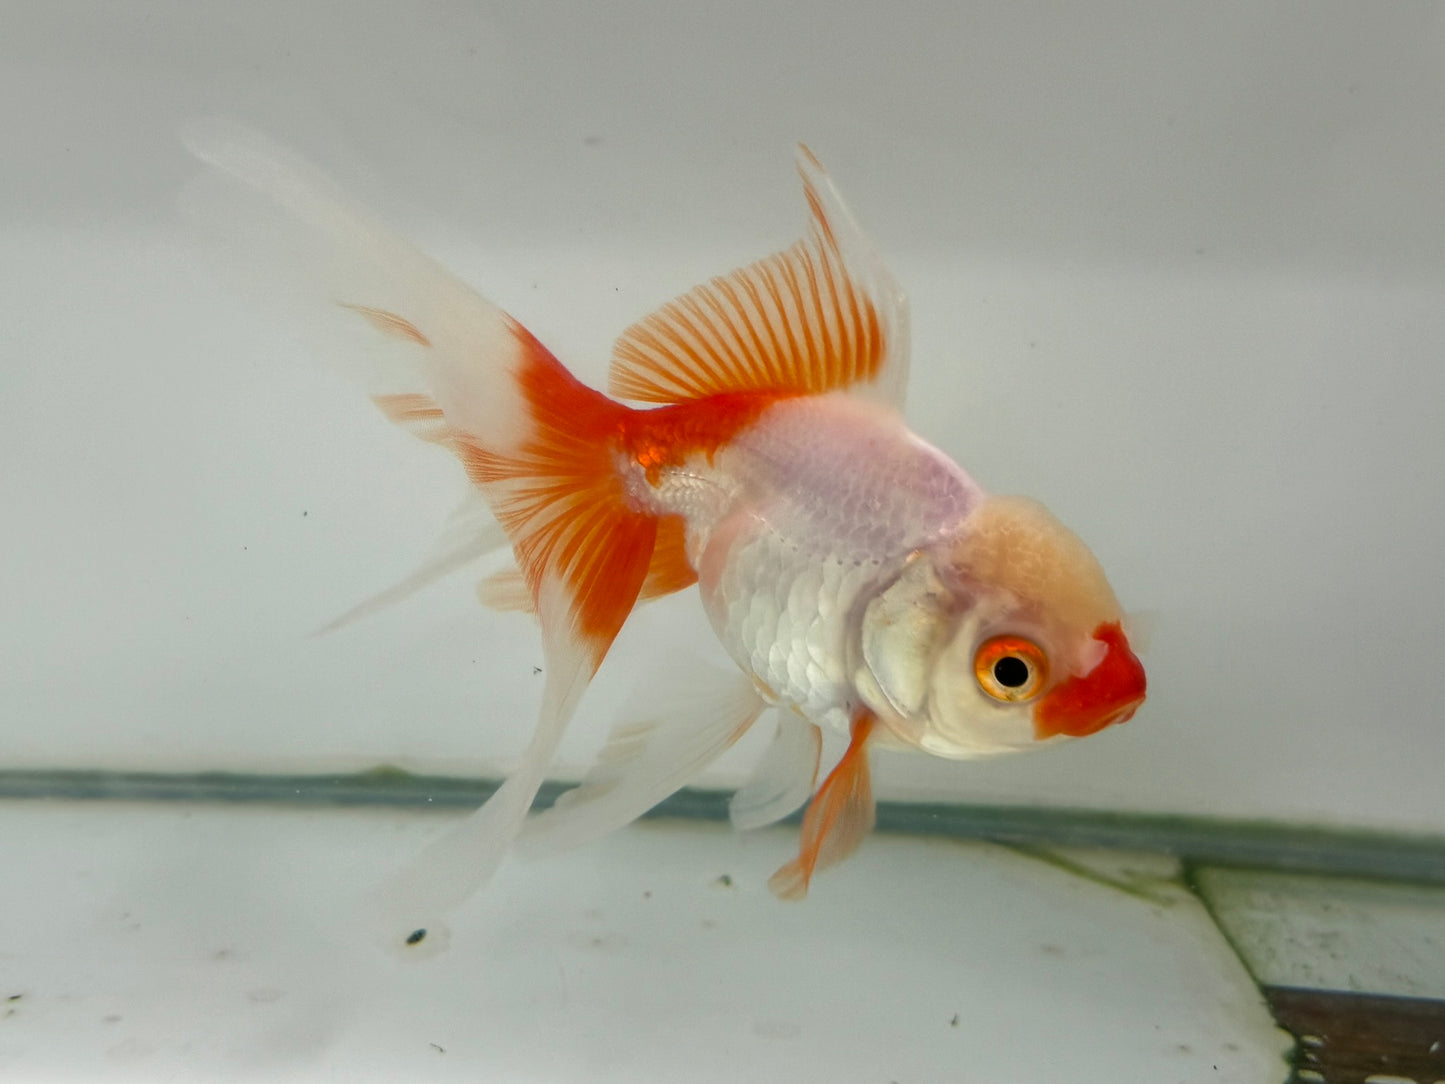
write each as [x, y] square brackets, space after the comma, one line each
[809, 512]
[753, 445]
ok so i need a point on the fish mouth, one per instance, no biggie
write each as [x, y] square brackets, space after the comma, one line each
[1108, 694]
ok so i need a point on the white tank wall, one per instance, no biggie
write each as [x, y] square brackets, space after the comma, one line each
[1176, 271]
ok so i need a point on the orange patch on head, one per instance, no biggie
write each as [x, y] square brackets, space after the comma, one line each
[1109, 693]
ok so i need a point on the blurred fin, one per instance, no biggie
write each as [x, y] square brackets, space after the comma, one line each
[470, 534]
[506, 591]
[436, 356]
[667, 736]
[785, 776]
[455, 866]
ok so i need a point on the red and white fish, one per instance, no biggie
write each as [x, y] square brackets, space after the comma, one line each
[858, 577]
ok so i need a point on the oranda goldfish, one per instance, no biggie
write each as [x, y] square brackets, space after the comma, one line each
[859, 578]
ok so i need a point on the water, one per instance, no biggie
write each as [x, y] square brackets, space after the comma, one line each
[1174, 271]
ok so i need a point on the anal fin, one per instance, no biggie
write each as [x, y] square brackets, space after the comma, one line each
[784, 777]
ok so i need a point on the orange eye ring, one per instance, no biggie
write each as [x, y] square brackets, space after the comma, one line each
[1010, 668]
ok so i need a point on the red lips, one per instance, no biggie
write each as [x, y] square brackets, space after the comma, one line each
[1109, 693]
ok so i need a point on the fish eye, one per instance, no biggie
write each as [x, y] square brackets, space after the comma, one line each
[1010, 668]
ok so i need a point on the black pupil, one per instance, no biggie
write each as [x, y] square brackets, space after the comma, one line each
[1011, 672]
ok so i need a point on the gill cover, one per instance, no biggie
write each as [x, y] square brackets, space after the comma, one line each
[904, 627]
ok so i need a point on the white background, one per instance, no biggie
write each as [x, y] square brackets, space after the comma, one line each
[1176, 270]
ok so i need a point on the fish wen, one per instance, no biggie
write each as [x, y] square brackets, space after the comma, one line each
[752, 445]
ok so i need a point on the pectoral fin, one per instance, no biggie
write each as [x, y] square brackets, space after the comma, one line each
[840, 815]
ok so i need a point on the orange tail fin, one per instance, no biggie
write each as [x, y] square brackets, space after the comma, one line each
[551, 478]
[552, 481]
[454, 369]
[560, 497]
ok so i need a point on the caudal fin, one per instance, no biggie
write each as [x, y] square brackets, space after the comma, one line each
[441, 361]
[584, 556]
[445, 363]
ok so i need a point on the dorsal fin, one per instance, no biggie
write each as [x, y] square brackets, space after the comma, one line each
[822, 315]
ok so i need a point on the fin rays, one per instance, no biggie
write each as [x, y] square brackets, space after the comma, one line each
[447, 365]
[821, 315]
[838, 818]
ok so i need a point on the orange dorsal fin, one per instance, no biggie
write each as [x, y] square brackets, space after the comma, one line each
[822, 315]
[838, 818]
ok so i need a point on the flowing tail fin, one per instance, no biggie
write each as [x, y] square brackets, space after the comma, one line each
[584, 555]
[558, 493]
[454, 369]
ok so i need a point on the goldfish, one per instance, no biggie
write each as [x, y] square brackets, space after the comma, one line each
[751, 444]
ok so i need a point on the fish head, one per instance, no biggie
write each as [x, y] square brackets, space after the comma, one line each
[1005, 637]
